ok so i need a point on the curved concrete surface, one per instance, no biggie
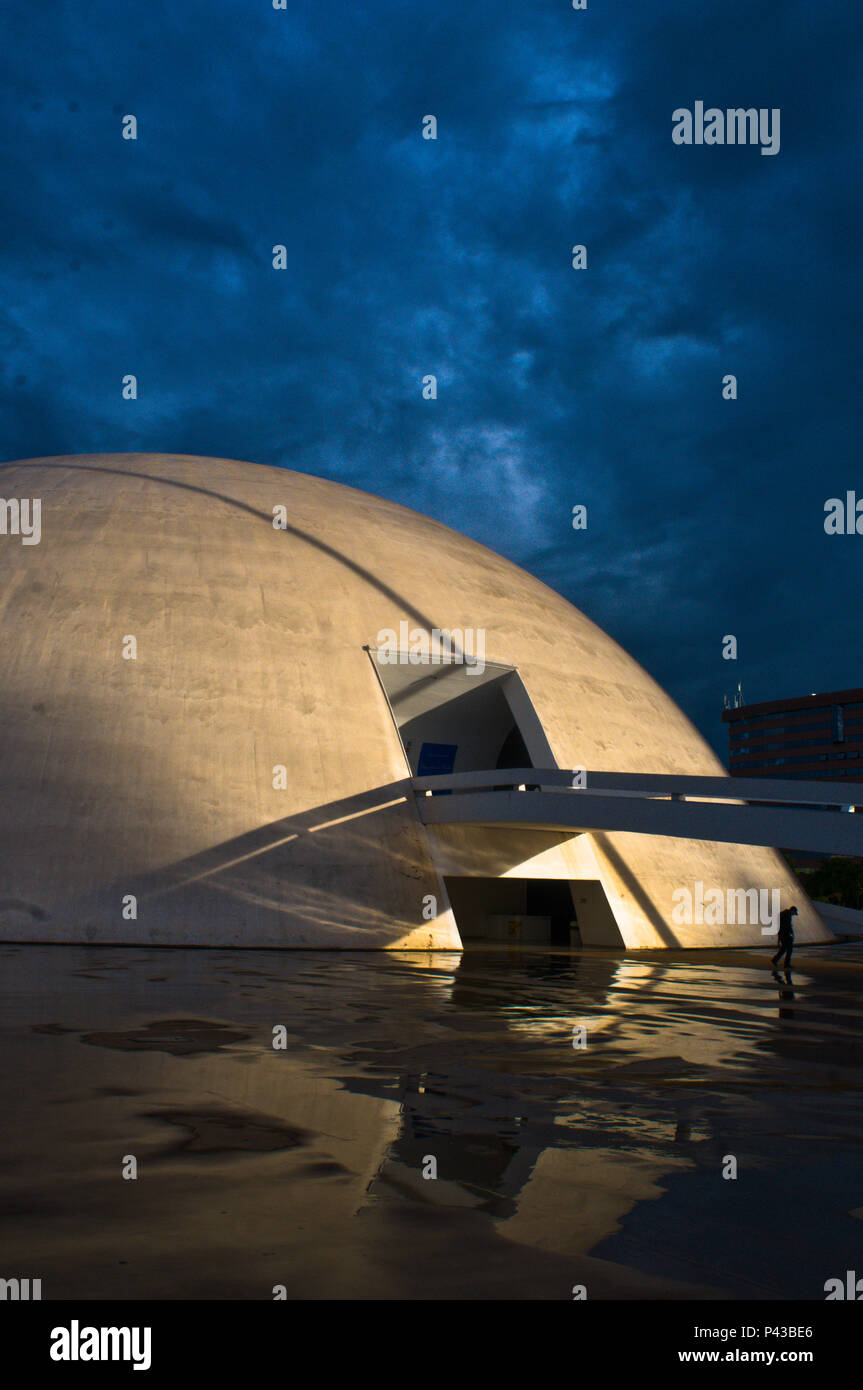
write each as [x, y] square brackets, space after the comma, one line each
[157, 778]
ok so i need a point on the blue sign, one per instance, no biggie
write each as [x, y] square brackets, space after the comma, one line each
[436, 759]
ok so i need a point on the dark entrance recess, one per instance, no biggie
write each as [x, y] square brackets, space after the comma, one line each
[456, 718]
[483, 905]
[551, 897]
[513, 751]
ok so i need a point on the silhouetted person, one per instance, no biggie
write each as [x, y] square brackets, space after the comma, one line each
[786, 937]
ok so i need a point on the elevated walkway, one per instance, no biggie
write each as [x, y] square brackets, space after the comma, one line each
[814, 816]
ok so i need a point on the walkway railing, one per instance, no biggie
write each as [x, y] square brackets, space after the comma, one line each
[758, 811]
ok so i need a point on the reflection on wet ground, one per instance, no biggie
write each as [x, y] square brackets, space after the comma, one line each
[302, 1164]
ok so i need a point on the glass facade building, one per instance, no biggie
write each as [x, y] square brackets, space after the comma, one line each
[813, 736]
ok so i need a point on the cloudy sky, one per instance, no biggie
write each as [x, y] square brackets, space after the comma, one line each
[406, 256]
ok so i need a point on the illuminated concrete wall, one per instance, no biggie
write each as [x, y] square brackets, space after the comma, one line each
[242, 777]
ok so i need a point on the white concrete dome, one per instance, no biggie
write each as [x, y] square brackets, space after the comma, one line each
[155, 777]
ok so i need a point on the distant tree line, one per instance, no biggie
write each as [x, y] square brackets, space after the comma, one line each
[837, 880]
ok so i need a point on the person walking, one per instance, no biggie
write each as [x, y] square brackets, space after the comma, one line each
[786, 937]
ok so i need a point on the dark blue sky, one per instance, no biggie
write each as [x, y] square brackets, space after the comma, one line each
[405, 257]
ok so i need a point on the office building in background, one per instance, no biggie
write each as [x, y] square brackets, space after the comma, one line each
[812, 736]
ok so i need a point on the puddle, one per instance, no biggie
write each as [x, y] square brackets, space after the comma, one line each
[182, 1037]
[226, 1132]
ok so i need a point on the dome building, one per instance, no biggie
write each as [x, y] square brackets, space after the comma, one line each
[219, 679]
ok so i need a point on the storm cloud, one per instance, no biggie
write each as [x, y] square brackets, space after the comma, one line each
[406, 257]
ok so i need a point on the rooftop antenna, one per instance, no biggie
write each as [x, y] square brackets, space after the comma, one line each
[735, 701]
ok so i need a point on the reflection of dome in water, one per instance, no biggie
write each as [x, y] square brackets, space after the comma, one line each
[243, 779]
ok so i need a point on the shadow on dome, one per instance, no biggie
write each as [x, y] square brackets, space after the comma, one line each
[311, 880]
[366, 575]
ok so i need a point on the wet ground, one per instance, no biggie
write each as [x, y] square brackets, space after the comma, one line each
[301, 1166]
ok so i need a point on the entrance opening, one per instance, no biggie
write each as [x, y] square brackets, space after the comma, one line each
[535, 911]
[454, 717]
